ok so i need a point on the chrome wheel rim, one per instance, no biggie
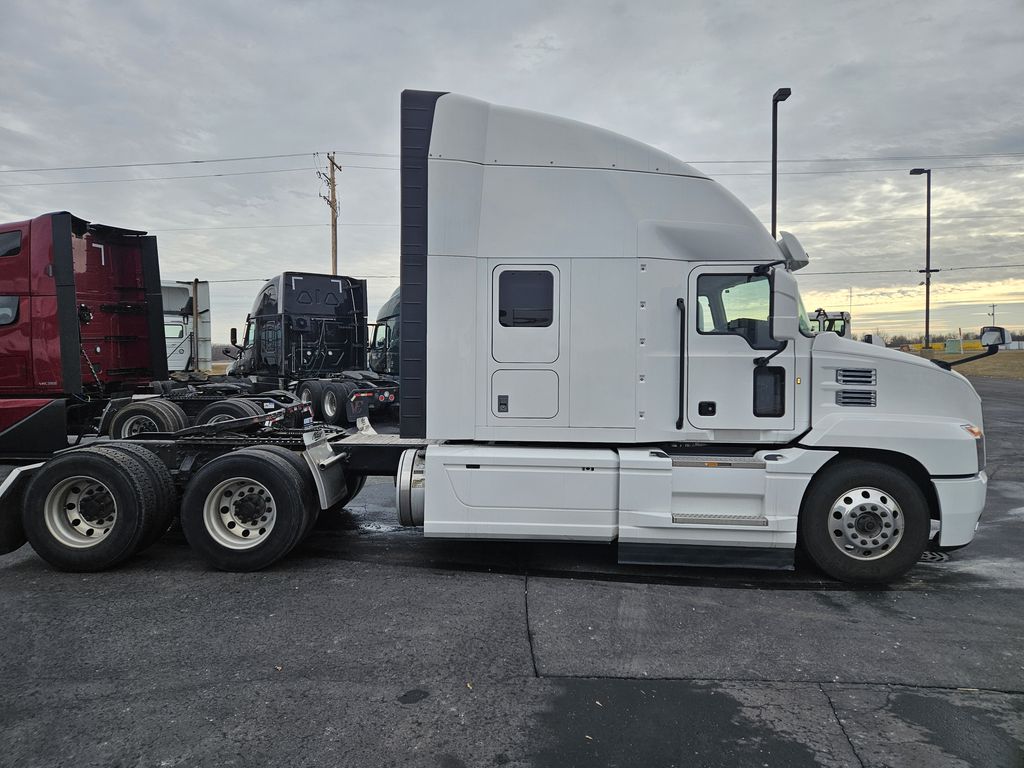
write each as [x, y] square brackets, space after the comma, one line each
[330, 404]
[865, 523]
[239, 513]
[80, 512]
[135, 425]
[305, 396]
[221, 418]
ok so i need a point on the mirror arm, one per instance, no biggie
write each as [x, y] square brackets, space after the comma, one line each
[989, 351]
[764, 269]
[760, 362]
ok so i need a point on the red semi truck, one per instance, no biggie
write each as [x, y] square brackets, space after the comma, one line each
[81, 323]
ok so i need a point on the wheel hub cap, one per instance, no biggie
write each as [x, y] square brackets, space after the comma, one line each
[239, 513]
[865, 523]
[80, 512]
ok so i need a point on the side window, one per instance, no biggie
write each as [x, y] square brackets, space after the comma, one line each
[526, 298]
[174, 331]
[250, 336]
[8, 310]
[10, 243]
[737, 305]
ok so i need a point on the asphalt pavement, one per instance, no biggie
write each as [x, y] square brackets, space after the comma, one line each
[371, 646]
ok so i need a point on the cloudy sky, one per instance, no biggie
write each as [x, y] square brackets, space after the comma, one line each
[878, 88]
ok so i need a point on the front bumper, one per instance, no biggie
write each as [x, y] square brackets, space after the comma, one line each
[961, 502]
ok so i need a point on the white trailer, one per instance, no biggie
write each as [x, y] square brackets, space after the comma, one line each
[600, 343]
[187, 325]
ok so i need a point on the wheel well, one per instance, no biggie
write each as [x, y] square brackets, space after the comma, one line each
[911, 467]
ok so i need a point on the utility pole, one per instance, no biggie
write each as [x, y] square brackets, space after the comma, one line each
[332, 202]
[992, 314]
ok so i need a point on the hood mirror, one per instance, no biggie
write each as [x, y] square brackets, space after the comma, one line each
[994, 336]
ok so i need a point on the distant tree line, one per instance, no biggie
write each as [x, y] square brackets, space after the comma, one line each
[902, 339]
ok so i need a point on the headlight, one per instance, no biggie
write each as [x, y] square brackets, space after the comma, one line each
[979, 442]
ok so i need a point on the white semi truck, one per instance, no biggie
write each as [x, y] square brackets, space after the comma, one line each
[598, 343]
[601, 343]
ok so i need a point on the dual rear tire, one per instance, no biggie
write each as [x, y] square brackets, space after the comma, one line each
[151, 415]
[92, 509]
[246, 510]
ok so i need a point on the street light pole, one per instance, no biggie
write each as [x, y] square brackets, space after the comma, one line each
[780, 95]
[927, 256]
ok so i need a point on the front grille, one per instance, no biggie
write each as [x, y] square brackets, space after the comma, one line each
[864, 376]
[864, 398]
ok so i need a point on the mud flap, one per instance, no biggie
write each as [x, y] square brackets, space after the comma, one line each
[12, 534]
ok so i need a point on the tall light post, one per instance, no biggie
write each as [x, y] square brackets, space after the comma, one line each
[927, 256]
[780, 95]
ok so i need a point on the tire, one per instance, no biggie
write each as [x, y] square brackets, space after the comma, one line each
[311, 392]
[142, 416]
[242, 483]
[863, 522]
[167, 492]
[113, 482]
[332, 403]
[311, 501]
[175, 411]
[224, 410]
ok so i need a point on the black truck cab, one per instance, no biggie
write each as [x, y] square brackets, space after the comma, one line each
[310, 330]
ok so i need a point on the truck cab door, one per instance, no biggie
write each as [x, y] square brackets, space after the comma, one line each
[730, 383]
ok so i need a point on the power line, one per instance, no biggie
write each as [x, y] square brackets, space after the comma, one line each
[264, 279]
[904, 218]
[863, 159]
[193, 176]
[265, 226]
[864, 170]
[893, 271]
[188, 162]
[356, 153]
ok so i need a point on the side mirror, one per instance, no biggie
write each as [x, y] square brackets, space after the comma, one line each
[234, 337]
[994, 336]
[783, 324]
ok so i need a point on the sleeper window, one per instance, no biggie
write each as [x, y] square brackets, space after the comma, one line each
[8, 309]
[526, 298]
[10, 244]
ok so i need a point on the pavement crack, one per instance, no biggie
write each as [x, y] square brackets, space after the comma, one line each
[839, 722]
[529, 629]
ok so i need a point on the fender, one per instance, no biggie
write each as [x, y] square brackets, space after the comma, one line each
[941, 445]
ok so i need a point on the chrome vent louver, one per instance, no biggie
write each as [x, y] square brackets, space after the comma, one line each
[865, 398]
[865, 376]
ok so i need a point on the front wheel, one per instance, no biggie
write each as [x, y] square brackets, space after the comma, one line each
[864, 522]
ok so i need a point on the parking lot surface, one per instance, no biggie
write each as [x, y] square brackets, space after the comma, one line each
[373, 646]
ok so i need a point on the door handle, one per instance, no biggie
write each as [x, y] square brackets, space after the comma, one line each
[682, 358]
